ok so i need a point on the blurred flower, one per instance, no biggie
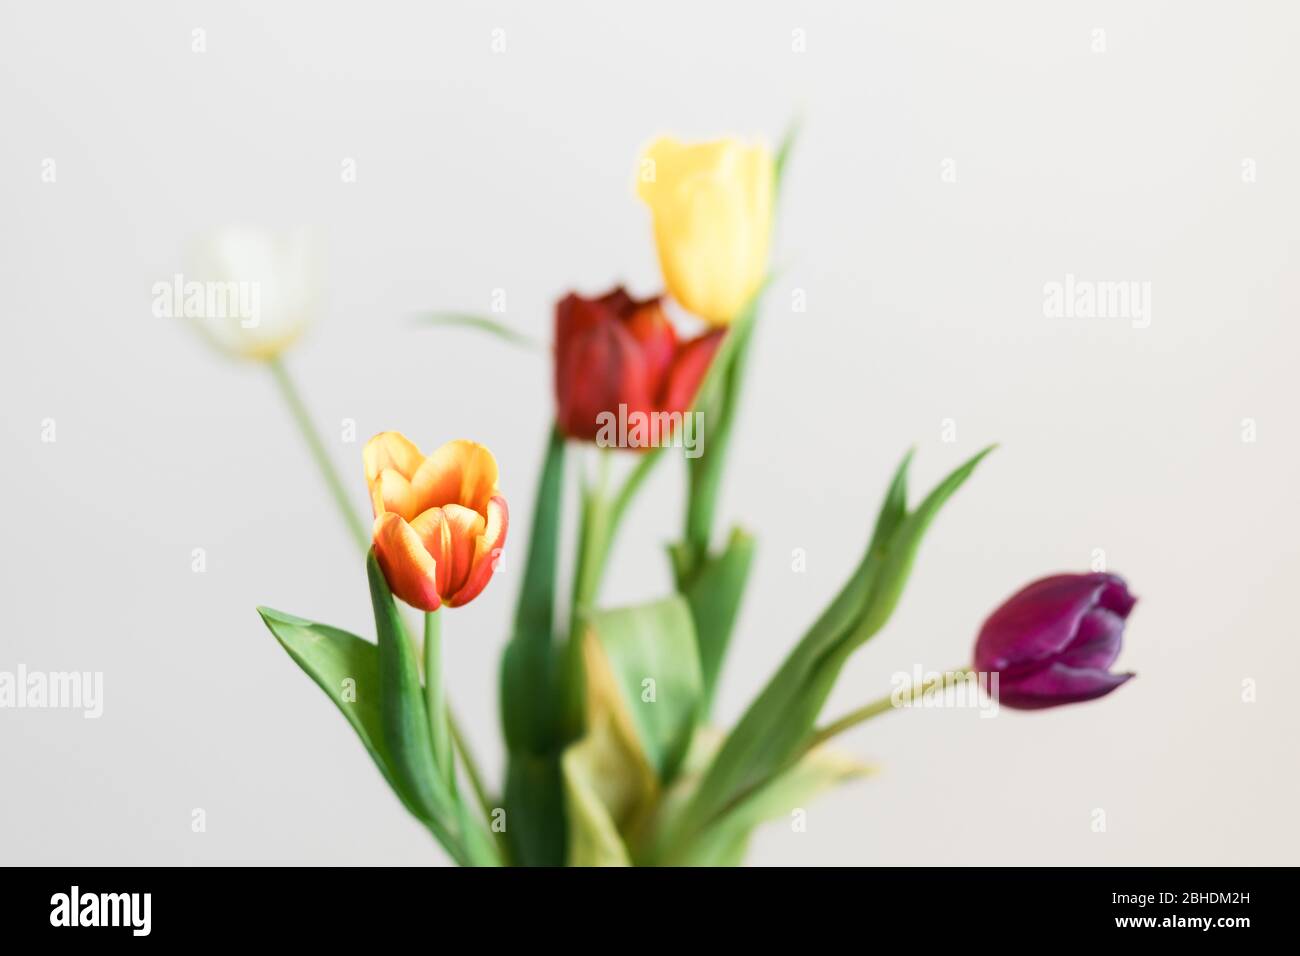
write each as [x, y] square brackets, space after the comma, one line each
[712, 210]
[1054, 641]
[251, 293]
[614, 350]
[439, 522]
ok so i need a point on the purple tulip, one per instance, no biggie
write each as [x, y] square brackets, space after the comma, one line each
[1053, 642]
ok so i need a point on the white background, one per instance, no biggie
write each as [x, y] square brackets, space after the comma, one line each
[478, 171]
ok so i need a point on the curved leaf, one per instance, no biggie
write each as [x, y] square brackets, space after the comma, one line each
[528, 698]
[603, 786]
[346, 668]
[724, 842]
[778, 723]
[404, 720]
[530, 692]
[714, 591]
[643, 671]
[481, 323]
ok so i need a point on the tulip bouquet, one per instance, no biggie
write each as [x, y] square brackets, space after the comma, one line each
[613, 757]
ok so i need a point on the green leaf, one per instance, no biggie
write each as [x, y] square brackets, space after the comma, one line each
[893, 509]
[359, 677]
[779, 722]
[481, 848]
[481, 323]
[784, 151]
[404, 720]
[602, 785]
[530, 686]
[714, 590]
[528, 694]
[634, 740]
[346, 668]
[904, 541]
[534, 797]
[643, 671]
[724, 842]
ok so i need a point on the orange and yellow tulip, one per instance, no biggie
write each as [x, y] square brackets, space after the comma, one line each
[439, 522]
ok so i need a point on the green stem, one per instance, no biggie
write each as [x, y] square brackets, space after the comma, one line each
[719, 399]
[602, 514]
[608, 514]
[478, 852]
[884, 705]
[495, 851]
[289, 392]
[594, 541]
[631, 485]
[594, 535]
[435, 699]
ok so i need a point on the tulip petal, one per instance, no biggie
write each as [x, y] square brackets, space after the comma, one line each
[1115, 596]
[654, 334]
[449, 534]
[435, 537]
[408, 567]
[1095, 647]
[391, 451]
[487, 550]
[1056, 684]
[575, 315]
[394, 493]
[1040, 620]
[688, 371]
[665, 158]
[595, 373]
[461, 472]
[686, 239]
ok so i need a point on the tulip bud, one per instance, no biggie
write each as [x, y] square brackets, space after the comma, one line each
[439, 522]
[616, 351]
[1054, 641]
[267, 288]
[712, 209]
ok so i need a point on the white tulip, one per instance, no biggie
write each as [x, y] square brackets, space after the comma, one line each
[251, 293]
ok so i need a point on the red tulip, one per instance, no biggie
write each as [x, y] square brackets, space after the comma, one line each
[616, 351]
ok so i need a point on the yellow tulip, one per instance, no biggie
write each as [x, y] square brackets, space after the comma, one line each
[712, 210]
[439, 522]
